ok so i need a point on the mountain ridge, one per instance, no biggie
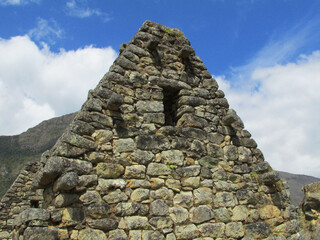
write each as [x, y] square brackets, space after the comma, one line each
[17, 150]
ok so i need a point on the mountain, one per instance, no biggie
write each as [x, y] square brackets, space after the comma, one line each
[17, 150]
[296, 182]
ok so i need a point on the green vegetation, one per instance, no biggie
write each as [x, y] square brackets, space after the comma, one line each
[279, 185]
[174, 32]
[171, 166]
[255, 176]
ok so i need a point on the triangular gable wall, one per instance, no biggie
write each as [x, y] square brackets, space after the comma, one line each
[156, 153]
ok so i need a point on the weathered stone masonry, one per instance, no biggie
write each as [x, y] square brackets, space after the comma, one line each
[18, 198]
[156, 153]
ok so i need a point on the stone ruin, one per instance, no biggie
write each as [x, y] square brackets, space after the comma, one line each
[155, 153]
[18, 198]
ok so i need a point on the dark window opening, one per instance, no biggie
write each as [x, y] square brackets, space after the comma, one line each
[156, 58]
[188, 66]
[34, 204]
[170, 99]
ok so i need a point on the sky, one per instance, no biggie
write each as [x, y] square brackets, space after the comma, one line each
[265, 55]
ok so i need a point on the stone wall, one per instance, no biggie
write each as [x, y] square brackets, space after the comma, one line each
[310, 212]
[156, 153]
[18, 198]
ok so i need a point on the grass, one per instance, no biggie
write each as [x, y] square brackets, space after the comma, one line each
[174, 32]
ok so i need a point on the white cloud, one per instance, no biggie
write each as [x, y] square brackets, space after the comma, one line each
[17, 2]
[282, 113]
[47, 31]
[281, 48]
[37, 84]
[79, 8]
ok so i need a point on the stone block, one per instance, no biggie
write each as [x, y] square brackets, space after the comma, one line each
[72, 216]
[191, 182]
[234, 229]
[78, 141]
[135, 235]
[105, 184]
[87, 234]
[32, 214]
[123, 145]
[87, 181]
[98, 210]
[214, 230]
[149, 106]
[152, 142]
[257, 230]
[109, 170]
[186, 231]
[41, 233]
[161, 222]
[172, 157]
[183, 199]
[139, 195]
[152, 235]
[142, 157]
[94, 157]
[105, 224]
[133, 222]
[66, 182]
[173, 184]
[95, 118]
[65, 199]
[287, 228]
[135, 171]
[90, 197]
[270, 177]
[224, 199]
[156, 183]
[115, 197]
[209, 162]
[189, 120]
[190, 171]
[159, 208]
[114, 102]
[240, 213]
[79, 166]
[162, 193]
[157, 118]
[127, 209]
[194, 133]
[191, 101]
[158, 169]
[201, 214]
[269, 211]
[118, 234]
[230, 152]
[102, 136]
[138, 183]
[179, 214]
[202, 196]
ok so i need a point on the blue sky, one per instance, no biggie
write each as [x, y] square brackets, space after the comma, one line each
[265, 54]
[224, 33]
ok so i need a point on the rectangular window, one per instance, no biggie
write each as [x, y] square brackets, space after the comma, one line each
[170, 99]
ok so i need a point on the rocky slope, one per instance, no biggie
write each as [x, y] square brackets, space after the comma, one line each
[16, 151]
[296, 182]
